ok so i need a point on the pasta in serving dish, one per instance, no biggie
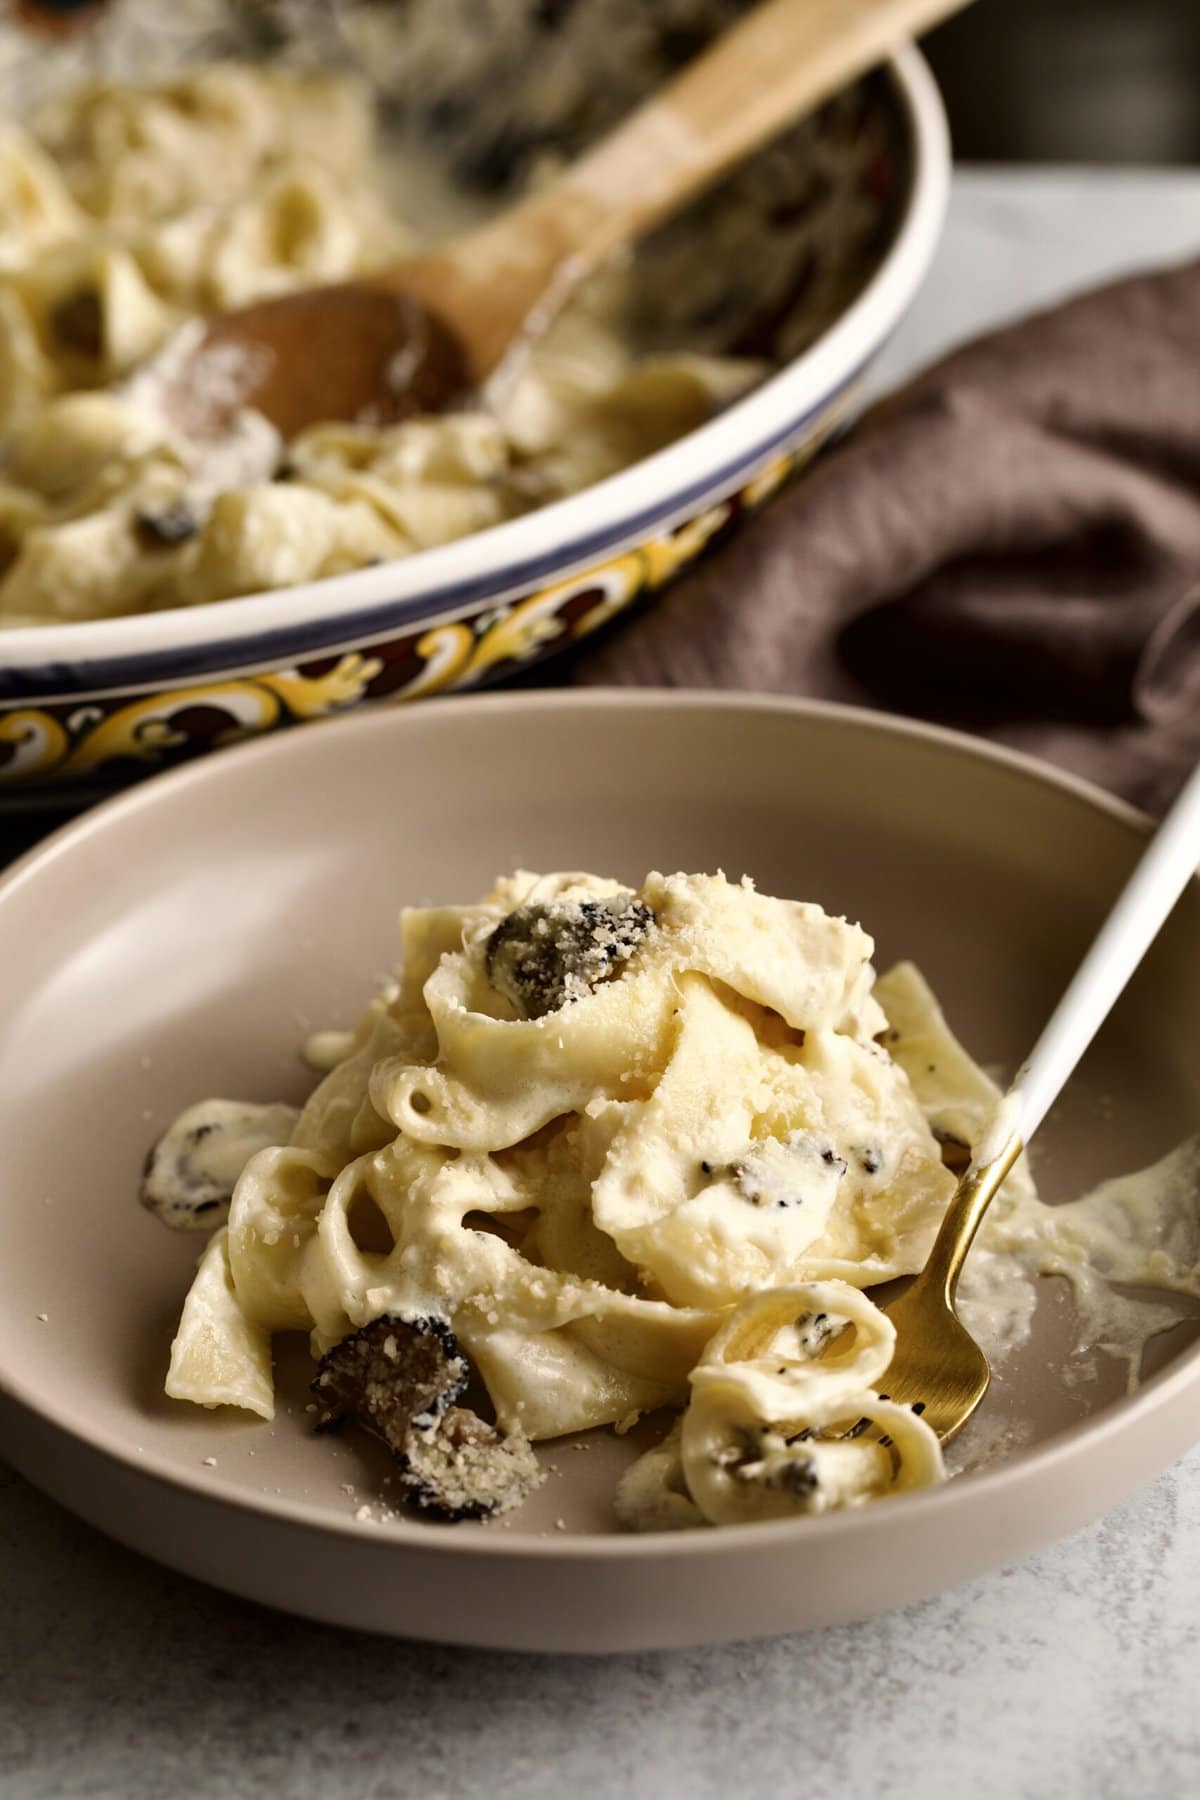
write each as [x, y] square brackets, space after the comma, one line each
[603, 1152]
[128, 213]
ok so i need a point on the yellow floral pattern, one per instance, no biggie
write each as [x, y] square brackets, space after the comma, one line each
[112, 735]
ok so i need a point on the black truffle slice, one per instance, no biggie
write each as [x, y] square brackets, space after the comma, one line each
[815, 1330]
[549, 953]
[464, 1469]
[782, 1172]
[797, 1476]
[400, 1378]
[390, 1376]
[191, 1171]
[163, 527]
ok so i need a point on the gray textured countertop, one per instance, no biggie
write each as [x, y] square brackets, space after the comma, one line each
[1073, 1675]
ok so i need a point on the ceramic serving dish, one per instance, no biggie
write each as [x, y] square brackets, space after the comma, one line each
[144, 964]
[88, 706]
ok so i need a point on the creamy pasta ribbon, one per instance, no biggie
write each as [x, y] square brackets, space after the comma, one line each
[638, 1149]
[781, 1417]
[778, 1401]
[128, 214]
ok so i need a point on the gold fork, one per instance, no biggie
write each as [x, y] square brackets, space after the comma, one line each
[937, 1367]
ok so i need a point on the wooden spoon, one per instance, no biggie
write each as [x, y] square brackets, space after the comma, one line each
[421, 336]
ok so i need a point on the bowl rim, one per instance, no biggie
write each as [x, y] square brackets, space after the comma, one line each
[1157, 1395]
[137, 650]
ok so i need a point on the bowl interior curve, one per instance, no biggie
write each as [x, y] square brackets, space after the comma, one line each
[184, 940]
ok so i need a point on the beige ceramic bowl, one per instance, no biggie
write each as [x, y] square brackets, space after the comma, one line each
[181, 940]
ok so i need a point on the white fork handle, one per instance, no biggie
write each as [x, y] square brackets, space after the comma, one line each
[1131, 927]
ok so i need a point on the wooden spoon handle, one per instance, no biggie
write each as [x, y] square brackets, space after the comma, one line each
[783, 58]
[776, 64]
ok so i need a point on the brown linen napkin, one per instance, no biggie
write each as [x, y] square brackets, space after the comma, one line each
[1010, 545]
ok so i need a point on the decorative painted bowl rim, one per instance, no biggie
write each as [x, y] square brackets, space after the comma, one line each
[650, 496]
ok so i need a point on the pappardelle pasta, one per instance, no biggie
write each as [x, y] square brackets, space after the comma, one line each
[129, 213]
[601, 1152]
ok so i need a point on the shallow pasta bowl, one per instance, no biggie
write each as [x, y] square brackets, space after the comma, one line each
[85, 707]
[142, 966]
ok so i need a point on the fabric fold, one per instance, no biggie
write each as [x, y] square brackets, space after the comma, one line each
[1011, 544]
